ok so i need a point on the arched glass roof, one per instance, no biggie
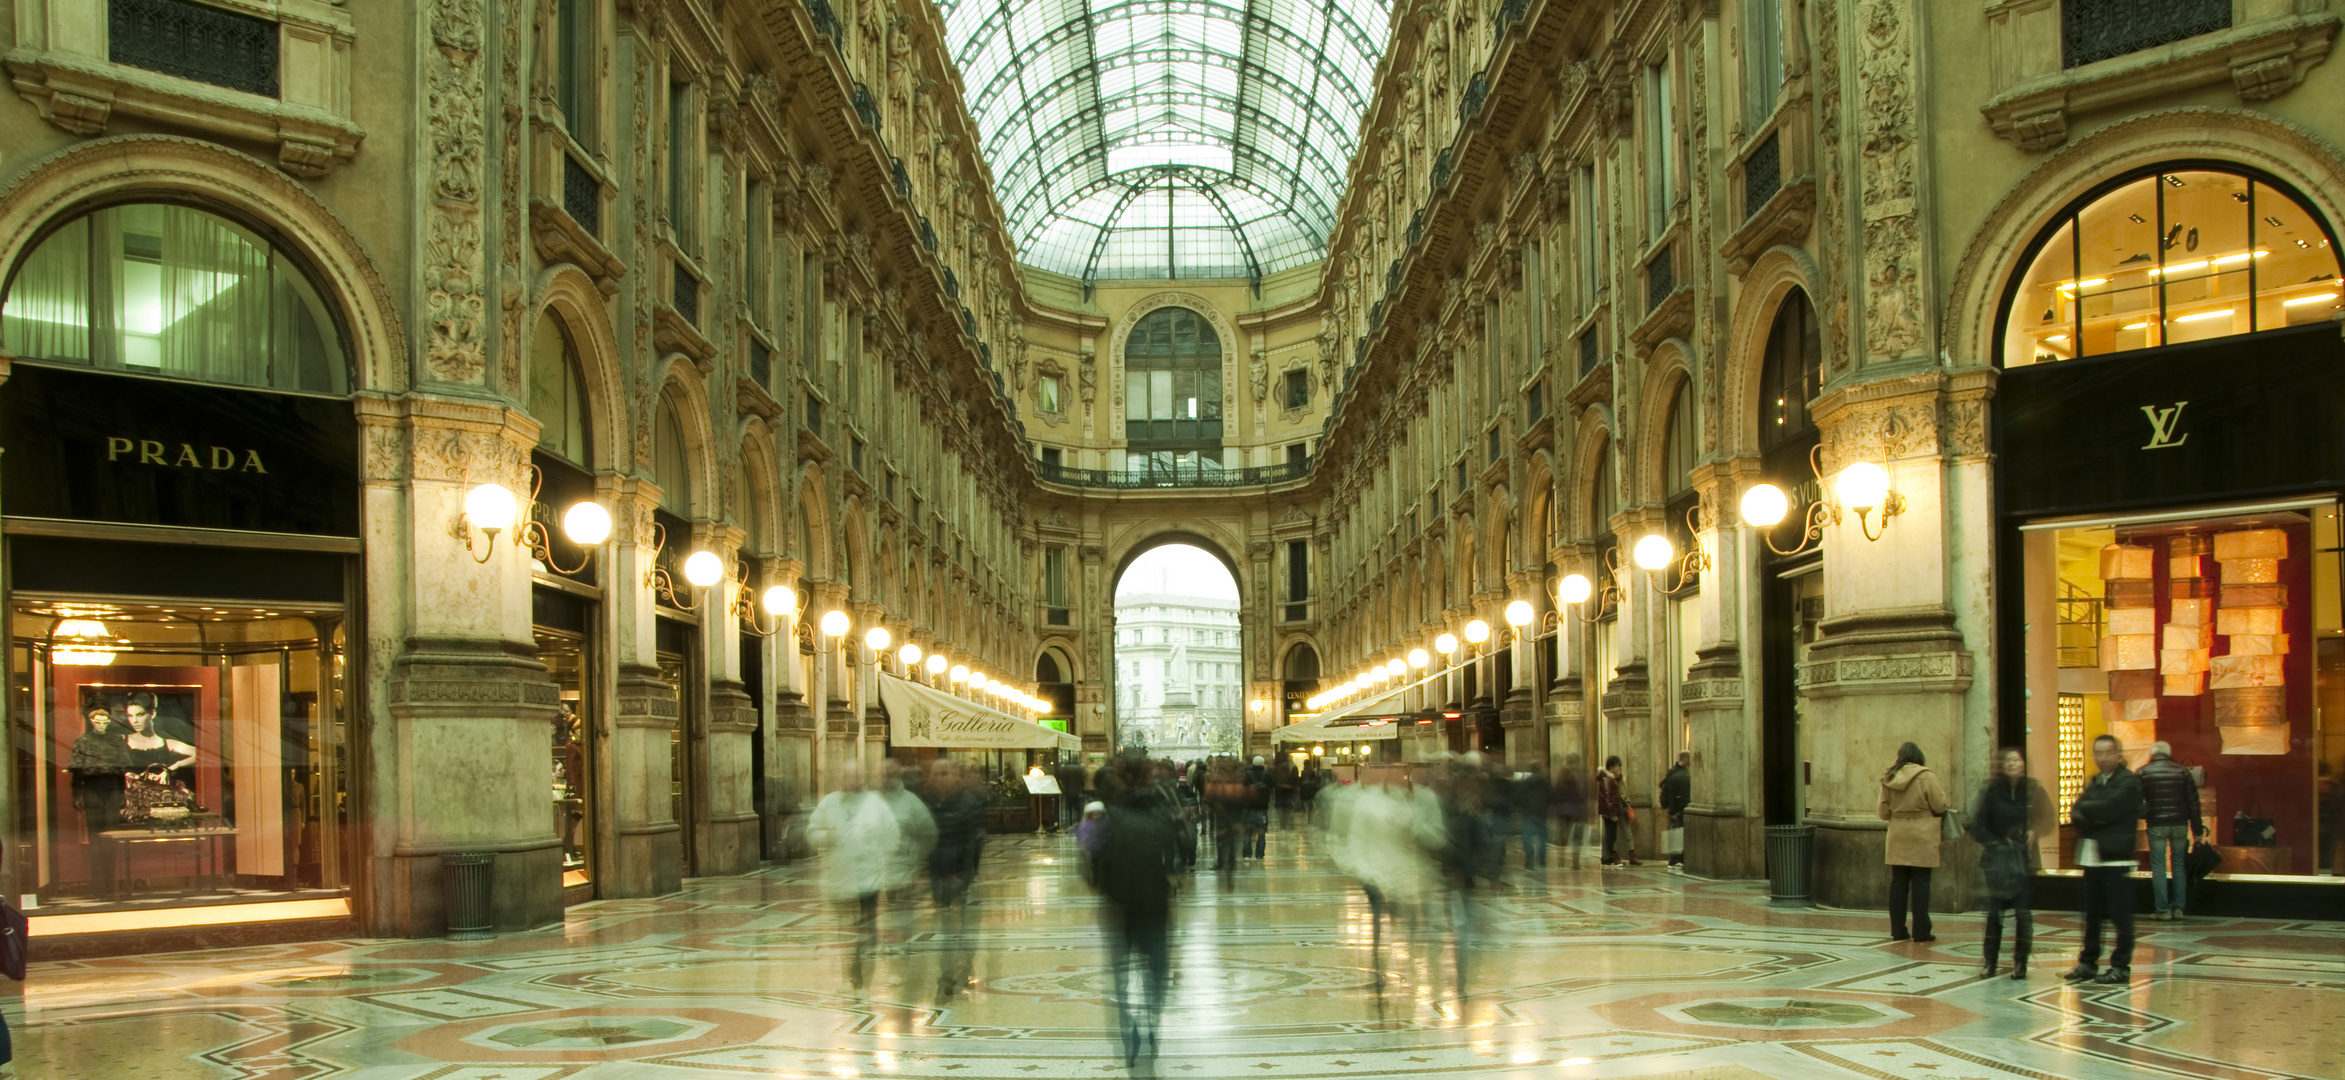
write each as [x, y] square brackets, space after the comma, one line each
[1168, 138]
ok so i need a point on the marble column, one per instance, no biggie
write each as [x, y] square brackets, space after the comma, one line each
[1725, 823]
[646, 838]
[726, 829]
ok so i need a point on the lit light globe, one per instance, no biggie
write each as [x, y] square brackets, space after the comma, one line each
[1862, 485]
[1764, 506]
[1445, 644]
[937, 663]
[835, 623]
[878, 638]
[1518, 613]
[1417, 658]
[703, 568]
[490, 507]
[1574, 589]
[780, 600]
[960, 673]
[978, 679]
[586, 523]
[1477, 631]
[909, 654]
[1654, 552]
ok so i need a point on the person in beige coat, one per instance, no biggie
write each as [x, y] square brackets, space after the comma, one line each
[1912, 802]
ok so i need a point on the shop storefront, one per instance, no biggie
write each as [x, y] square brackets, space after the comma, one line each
[2170, 431]
[180, 485]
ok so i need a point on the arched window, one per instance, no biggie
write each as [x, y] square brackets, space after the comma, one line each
[1302, 663]
[671, 468]
[1679, 445]
[1791, 376]
[1603, 500]
[1172, 389]
[557, 391]
[2178, 253]
[170, 290]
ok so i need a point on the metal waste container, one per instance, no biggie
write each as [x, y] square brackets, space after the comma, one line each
[1788, 848]
[465, 877]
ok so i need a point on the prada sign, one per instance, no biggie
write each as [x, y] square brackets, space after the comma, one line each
[2238, 416]
[102, 447]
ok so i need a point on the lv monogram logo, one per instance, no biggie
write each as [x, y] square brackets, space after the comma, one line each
[2162, 425]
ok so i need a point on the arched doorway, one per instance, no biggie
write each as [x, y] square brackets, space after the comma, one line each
[1178, 654]
[1792, 590]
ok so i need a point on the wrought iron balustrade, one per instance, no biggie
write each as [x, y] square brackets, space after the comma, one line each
[1590, 353]
[194, 41]
[687, 295]
[1186, 475]
[2095, 30]
[1762, 174]
[582, 196]
[1660, 277]
[761, 363]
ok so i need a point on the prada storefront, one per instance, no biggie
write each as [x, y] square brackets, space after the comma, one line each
[180, 485]
[2170, 457]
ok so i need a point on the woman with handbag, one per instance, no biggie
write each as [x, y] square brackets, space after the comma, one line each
[1912, 802]
[2010, 811]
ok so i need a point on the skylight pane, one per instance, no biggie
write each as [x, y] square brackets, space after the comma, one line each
[1123, 158]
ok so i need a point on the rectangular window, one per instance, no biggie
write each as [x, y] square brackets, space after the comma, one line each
[814, 415]
[1586, 230]
[1298, 455]
[1298, 570]
[1053, 457]
[680, 148]
[1046, 393]
[1298, 389]
[1762, 60]
[1054, 584]
[1660, 150]
[574, 68]
[753, 254]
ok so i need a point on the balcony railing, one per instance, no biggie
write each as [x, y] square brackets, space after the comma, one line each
[582, 196]
[2095, 30]
[1174, 476]
[1762, 175]
[194, 41]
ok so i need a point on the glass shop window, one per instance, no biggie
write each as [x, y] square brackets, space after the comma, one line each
[2217, 634]
[2169, 257]
[178, 756]
[174, 291]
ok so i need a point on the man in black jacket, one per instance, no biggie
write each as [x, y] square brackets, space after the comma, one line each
[1677, 793]
[2170, 799]
[1137, 865]
[2105, 814]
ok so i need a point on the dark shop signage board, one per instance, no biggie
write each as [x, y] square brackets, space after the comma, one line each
[2216, 420]
[86, 446]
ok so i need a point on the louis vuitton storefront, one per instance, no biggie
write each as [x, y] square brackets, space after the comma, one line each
[180, 485]
[2169, 461]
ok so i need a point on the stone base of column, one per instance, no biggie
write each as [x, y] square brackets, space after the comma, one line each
[729, 845]
[651, 862]
[1519, 719]
[790, 790]
[525, 892]
[1849, 871]
[1724, 845]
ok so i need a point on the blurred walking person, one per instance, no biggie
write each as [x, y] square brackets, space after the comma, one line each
[2169, 797]
[1386, 835]
[1139, 858]
[1912, 802]
[958, 803]
[857, 834]
[1533, 796]
[2010, 812]
[1570, 807]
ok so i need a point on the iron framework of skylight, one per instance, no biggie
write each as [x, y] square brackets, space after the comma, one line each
[1168, 138]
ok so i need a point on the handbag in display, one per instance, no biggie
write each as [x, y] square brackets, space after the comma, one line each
[146, 800]
[2253, 831]
[2004, 866]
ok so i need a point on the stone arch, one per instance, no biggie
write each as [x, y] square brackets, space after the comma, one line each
[125, 166]
[1198, 534]
[814, 514]
[1668, 372]
[568, 294]
[1500, 534]
[2260, 140]
[1232, 345]
[1772, 277]
[1589, 451]
[1461, 561]
[758, 462]
[854, 566]
[1538, 522]
[682, 383]
[1062, 650]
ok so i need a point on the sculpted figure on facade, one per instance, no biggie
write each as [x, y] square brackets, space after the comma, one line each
[1261, 374]
[901, 63]
[1436, 71]
[1415, 167]
[1087, 378]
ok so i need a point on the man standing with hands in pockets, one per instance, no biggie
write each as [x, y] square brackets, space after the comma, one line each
[2106, 815]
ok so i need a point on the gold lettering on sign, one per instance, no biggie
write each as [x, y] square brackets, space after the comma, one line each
[2162, 425]
[210, 458]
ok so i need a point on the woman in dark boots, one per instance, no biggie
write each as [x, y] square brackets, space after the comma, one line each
[2009, 813]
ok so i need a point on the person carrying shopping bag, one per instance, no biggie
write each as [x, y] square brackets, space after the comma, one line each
[2010, 812]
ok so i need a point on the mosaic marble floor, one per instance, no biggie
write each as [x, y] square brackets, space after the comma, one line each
[1573, 974]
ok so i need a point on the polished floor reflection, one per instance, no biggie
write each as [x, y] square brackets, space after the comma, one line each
[1568, 973]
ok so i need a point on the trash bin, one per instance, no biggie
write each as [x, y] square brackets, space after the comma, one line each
[1788, 847]
[465, 878]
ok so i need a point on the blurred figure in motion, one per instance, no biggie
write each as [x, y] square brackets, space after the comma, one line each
[957, 799]
[1570, 805]
[1139, 857]
[1619, 817]
[857, 834]
[1533, 795]
[1090, 837]
[1386, 835]
[1226, 797]
[1257, 815]
[1180, 801]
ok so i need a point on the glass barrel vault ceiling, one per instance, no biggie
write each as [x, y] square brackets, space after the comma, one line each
[1168, 138]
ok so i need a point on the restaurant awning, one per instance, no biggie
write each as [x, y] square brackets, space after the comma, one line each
[1374, 719]
[925, 716]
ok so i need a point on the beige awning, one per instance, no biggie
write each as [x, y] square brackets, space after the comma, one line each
[925, 716]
